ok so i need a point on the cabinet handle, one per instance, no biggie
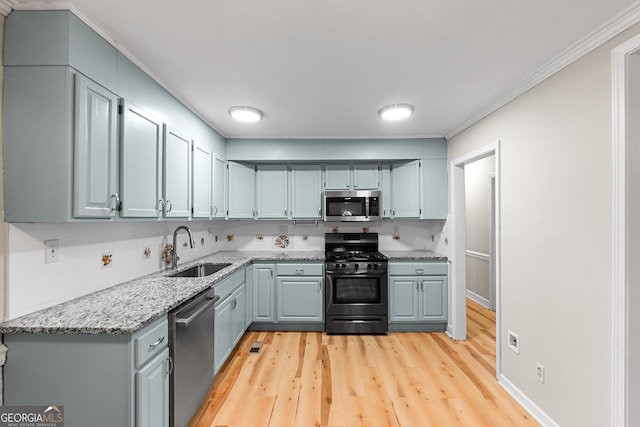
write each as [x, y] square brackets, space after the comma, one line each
[160, 206]
[169, 365]
[319, 211]
[271, 272]
[299, 271]
[153, 346]
[417, 285]
[419, 270]
[285, 212]
[115, 197]
[170, 206]
[234, 304]
[210, 210]
[393, 212]
[421, 286]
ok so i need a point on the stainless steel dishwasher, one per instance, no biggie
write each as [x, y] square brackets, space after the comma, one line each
[191, 344]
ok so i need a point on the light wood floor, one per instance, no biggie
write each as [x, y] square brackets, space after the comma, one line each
[401, 379]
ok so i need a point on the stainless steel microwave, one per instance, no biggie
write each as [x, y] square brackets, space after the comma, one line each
[351, 205]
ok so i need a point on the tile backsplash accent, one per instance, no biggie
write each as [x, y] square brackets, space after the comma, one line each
[32, 285]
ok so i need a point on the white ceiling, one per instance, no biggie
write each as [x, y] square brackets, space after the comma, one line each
[324, 68]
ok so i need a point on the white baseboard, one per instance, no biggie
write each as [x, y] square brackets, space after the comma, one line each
[533, 409]
[479, 299]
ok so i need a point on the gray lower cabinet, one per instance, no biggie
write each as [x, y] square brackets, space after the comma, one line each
[101, 380]
[300, 295]
[288, 296]
[264, 293]
[418, 296]
[229, 323]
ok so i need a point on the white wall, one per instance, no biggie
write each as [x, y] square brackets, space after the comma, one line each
[477, 177]
[556, 236]
[33, 284]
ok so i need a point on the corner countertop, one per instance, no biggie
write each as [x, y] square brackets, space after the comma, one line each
[414, 255]
[130, 306]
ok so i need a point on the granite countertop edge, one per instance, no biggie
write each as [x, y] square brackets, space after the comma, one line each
[126, 308]
[421, 255]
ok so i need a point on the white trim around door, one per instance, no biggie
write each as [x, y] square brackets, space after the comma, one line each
[457, 327]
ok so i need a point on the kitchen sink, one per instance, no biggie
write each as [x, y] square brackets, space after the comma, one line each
[200, 270]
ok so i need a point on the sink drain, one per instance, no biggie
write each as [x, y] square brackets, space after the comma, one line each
[255, 347]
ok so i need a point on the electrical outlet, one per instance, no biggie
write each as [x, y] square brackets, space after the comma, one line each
[514, 342]
[51, 251]
[396, 230]
[540, 372]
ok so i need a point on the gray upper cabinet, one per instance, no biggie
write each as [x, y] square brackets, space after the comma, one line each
[141, 147]
[219, 187]
[272, 191]
[434, 189]
[95, 150]
[337, 177]
[242, 185]
[348, 177]
[74, 117]
[385, 187]
[202, 194]
[177, 175]
[405, 190]
[59, 85]
[306, 191]
[366, 177]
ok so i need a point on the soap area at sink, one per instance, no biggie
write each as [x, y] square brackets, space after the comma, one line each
[135, 249]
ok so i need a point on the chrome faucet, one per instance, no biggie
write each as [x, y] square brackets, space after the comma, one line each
[174, 248]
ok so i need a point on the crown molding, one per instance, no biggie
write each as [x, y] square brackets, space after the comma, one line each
[596, 38]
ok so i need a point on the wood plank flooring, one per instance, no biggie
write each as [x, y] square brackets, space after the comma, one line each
[401, 379]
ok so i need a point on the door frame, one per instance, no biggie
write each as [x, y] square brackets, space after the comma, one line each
[620, 286]
[457, 325]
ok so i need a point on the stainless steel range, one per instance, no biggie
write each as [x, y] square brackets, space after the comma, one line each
[356, 296]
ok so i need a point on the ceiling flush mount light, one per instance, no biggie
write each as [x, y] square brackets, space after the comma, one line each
[396, 111]
[242, 113]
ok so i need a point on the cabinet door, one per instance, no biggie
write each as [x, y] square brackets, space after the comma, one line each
[263, 293]
[152, 392]
[403, 299]
[202, 182]
[385, 187]
[271, 191]
[337, 177]
[218, 186]
[238, 302]
[433, 298]
[248, 286]
[405, 190]
[141, 164]
[95, 151]
[241, 190]
[435, 189]
[223, 325]
[177, 175]
[366, 177]
[306, 191]
[300, 299]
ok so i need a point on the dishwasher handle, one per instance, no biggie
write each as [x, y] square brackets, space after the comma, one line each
[186, 321]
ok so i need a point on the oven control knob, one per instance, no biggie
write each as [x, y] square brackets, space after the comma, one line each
[355, 266]
[343, 265]
[375, 265]
[368, 266]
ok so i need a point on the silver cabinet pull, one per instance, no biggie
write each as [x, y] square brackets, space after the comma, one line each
[170, 206]
[299, 271]
[285, 212]
[160, 206]
[234, 303]
[116, 198]
[169, 365]
[417, 285]
[419, 270]
[155, 344]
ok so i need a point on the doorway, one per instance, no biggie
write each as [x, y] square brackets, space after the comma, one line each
[625, 376]
[457, 327]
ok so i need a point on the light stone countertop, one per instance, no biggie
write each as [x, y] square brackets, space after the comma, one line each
[128, 307]
[414, 255]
